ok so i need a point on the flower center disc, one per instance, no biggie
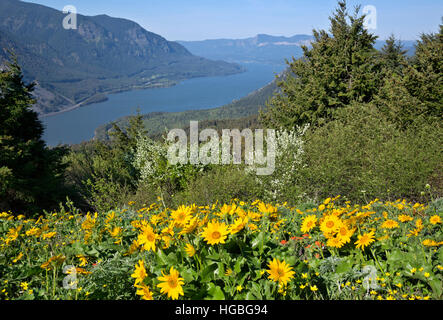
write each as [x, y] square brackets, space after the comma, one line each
[172, 283]
[216, 235]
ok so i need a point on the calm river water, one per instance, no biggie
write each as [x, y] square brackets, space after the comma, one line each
[200, 93]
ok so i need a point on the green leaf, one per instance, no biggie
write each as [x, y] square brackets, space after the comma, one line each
[187, 275]
[162, 259]
[238, 264]
[220, 270]
[250, 296]
[172, 258]
[208, 273]
[258, 242]
[214, 256]
[215, 292]
[440, 254]
[437, 288]
[344, 266]
[93, 252]
[291, 260]
[256, 290]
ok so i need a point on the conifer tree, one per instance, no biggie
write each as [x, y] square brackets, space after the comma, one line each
[416, 92]
[341, 67]
[31, 175]
[393, 56]
[424, 80]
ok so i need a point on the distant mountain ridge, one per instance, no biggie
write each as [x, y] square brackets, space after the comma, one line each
[262, 48]
[103, 55]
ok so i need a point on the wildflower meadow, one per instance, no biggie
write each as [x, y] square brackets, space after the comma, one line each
[235, 251]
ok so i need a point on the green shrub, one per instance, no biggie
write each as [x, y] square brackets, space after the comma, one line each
[222, 183]
[362, 155]
[102, 175]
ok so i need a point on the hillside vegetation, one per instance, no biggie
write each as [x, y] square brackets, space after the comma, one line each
[353, 209]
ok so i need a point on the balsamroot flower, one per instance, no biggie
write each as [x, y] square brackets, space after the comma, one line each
[215, 232]
[280, 272]
[171, 284]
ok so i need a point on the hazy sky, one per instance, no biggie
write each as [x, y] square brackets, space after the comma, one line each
[212, 19]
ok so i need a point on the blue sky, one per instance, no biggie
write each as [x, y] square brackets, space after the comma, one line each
[213, 19]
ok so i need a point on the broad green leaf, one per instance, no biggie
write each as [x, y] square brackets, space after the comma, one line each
[343, 266]
[187, 275]
[238, 264]
[250, 296]
[215, 292]
[208, 273]
[258, 242]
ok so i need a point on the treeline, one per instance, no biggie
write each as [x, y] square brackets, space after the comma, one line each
[351, 121]
[376, 116]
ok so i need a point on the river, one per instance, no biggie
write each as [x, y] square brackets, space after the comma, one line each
[79, 124]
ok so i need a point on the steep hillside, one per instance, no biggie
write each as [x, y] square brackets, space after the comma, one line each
[102, 55]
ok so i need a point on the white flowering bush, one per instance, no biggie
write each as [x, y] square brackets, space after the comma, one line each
[151, 159]
[289, 150]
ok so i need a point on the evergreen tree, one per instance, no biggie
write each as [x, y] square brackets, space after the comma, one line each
[31, 175]
[393, 57]
[126, 140]
[424, 80]
[340, 68]
[416, 92]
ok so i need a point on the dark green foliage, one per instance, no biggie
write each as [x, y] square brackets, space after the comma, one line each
[392, 56]
[103, 172]
[31, 175]
[102, 175]
[375, 133]
[127, 140]
[375, 118]
[340, 68]
[414, 90]
[424, 80]
[363, 155]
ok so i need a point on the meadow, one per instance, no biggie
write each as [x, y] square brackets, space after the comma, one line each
[236, 251]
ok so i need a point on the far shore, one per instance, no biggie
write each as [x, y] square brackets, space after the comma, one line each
[85, 102]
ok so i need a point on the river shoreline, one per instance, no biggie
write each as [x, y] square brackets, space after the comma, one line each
[105, 98]
[149, 85]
